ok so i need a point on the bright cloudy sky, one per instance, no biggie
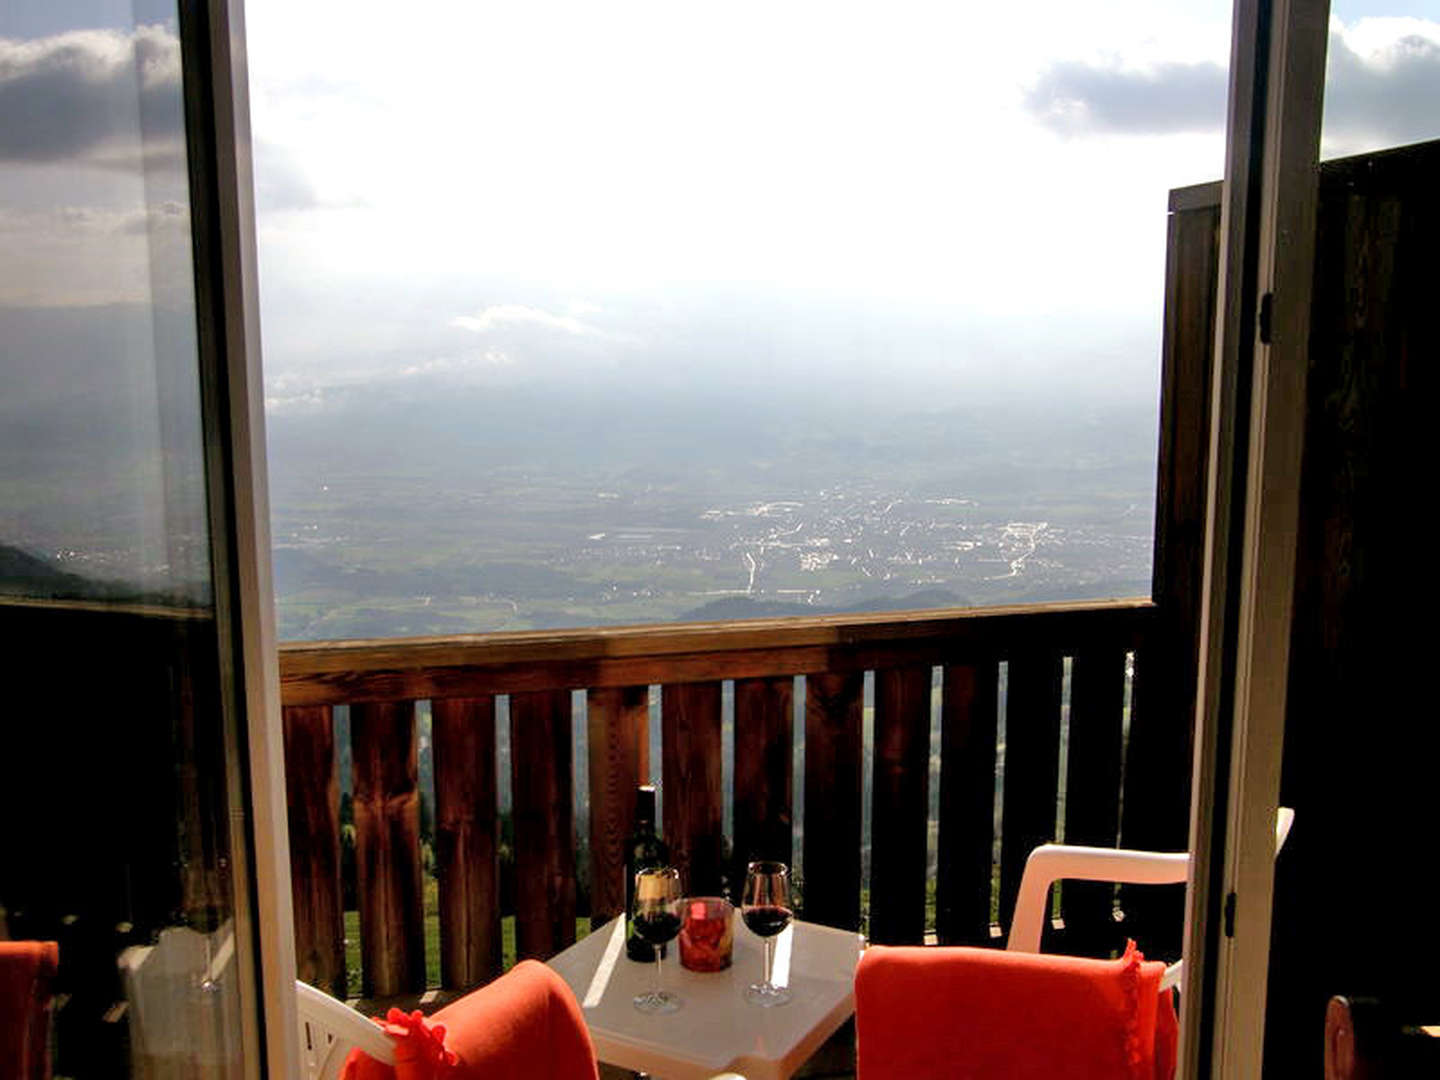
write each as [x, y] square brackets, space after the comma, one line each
[462, 186]
[608, 163]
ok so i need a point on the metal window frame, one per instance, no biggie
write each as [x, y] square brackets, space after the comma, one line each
[1258, 413]
[216, 90]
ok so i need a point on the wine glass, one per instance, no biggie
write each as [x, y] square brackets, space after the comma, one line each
[765, 907]
[657, 920]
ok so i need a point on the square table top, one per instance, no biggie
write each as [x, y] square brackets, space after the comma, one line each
[715, 1030]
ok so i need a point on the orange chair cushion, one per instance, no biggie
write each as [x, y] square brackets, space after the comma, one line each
[526, 1025]
[980, 1013]
[27, 969]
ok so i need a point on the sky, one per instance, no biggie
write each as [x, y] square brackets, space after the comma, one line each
[937, 195]
[487, 192]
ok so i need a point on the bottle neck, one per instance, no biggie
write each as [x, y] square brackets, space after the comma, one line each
[645, 810]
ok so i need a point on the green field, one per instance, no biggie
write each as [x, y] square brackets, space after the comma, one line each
[432, 940]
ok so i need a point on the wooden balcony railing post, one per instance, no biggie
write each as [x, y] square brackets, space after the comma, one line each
[969, 708]
[387, 848]
[541, 766]
[619, 724]
[900, 805]
[1032, 765]
[691, 779]
[1092, 792]
[833, 789]
[467, 840]
[764, 770]
[1158, 758]
[313, 793]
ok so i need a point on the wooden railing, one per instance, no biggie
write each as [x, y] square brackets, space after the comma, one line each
[461, 677]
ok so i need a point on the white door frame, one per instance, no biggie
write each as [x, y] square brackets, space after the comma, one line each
[227, 306]
[1258, 409]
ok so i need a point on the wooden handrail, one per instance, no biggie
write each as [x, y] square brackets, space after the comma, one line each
[348, 672]
[108, 609]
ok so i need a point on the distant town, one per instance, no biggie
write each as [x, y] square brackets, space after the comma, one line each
[546, 553]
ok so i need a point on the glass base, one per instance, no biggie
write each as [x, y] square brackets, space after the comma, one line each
[767, 995]
[658, 1001]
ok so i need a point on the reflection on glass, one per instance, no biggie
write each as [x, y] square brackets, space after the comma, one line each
[103, 491]
[113, 774]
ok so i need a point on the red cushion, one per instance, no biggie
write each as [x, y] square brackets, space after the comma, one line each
[979, 1013]
[526, 1025]
[27, 969]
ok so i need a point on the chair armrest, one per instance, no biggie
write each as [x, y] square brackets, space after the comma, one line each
[350, 1028]
[1050, 863]
[1284, 818]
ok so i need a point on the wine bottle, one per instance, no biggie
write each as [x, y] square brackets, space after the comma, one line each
[645, 849]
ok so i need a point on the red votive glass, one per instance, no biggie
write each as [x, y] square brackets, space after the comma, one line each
[707, 933]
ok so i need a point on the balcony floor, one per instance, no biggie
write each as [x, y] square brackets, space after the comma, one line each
[833, 1061]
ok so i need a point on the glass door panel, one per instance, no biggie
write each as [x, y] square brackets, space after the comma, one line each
[123, 821]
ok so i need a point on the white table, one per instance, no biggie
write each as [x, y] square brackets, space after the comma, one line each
[715, 1030]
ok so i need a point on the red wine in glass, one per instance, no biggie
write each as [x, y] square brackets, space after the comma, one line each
[656, 919]
[765, 907]
[766, 920]
[658, 927]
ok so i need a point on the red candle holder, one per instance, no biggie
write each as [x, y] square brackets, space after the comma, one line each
[707, 933]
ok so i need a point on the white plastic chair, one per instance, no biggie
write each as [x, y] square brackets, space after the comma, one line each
[329, 1030]
[182, 1003]
[1050, 863]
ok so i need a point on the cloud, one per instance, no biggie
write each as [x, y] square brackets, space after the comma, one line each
[91, 221]
[313, 391]
[455, 365]
[87, 255]
[511, 314]
[1382, 83]
[1075, 98]
[1387, 93]
[280, 183]
[87, 93]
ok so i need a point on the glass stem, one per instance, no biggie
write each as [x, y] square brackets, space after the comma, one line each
[769, 959]
[659, 973]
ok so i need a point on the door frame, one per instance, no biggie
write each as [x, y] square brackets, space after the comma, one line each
[1277, 76]
[217, 114]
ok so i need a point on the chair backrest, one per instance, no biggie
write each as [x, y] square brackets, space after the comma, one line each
[329, 1029]
[183, 1002]
[1050, 863]
[27, 972]
[923, 1011]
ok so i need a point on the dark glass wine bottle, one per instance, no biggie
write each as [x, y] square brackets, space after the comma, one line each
[645, 849]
